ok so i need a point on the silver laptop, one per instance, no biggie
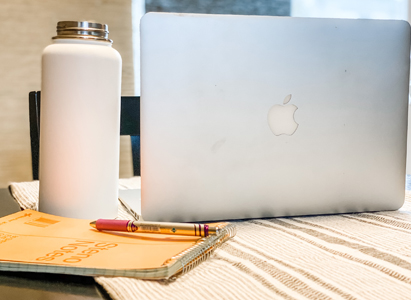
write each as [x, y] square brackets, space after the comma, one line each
[253, 117]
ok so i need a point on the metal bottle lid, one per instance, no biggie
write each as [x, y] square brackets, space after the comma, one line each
[82, 30]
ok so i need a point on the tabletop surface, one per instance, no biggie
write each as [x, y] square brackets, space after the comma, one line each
[15, 285]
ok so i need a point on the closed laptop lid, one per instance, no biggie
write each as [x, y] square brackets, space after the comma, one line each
[250, 117]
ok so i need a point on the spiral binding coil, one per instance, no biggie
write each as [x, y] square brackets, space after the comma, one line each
[196, 254]
[201, 251]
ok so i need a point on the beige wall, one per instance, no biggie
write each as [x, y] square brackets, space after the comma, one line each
[26, 28]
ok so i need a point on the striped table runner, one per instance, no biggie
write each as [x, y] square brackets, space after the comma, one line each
[348, 256]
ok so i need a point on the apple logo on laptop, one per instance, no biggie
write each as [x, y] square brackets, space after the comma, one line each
[281, 118]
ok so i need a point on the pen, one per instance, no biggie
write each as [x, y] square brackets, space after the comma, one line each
[155, 227]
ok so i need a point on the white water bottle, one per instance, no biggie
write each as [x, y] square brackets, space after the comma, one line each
[80, 123]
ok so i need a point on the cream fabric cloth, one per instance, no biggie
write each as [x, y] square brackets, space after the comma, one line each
[348, 256]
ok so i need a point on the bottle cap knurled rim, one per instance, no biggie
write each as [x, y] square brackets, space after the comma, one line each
[82, 30]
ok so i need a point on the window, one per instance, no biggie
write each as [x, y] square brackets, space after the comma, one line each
[354, 9]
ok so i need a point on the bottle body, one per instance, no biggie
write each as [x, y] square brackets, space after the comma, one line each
[79, 129]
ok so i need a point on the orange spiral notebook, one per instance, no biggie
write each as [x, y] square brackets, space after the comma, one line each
[31, 241]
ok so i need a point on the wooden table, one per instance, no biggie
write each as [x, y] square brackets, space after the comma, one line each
[52, 286]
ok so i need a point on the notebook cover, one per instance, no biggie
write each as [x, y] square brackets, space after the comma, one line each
[37, 242]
